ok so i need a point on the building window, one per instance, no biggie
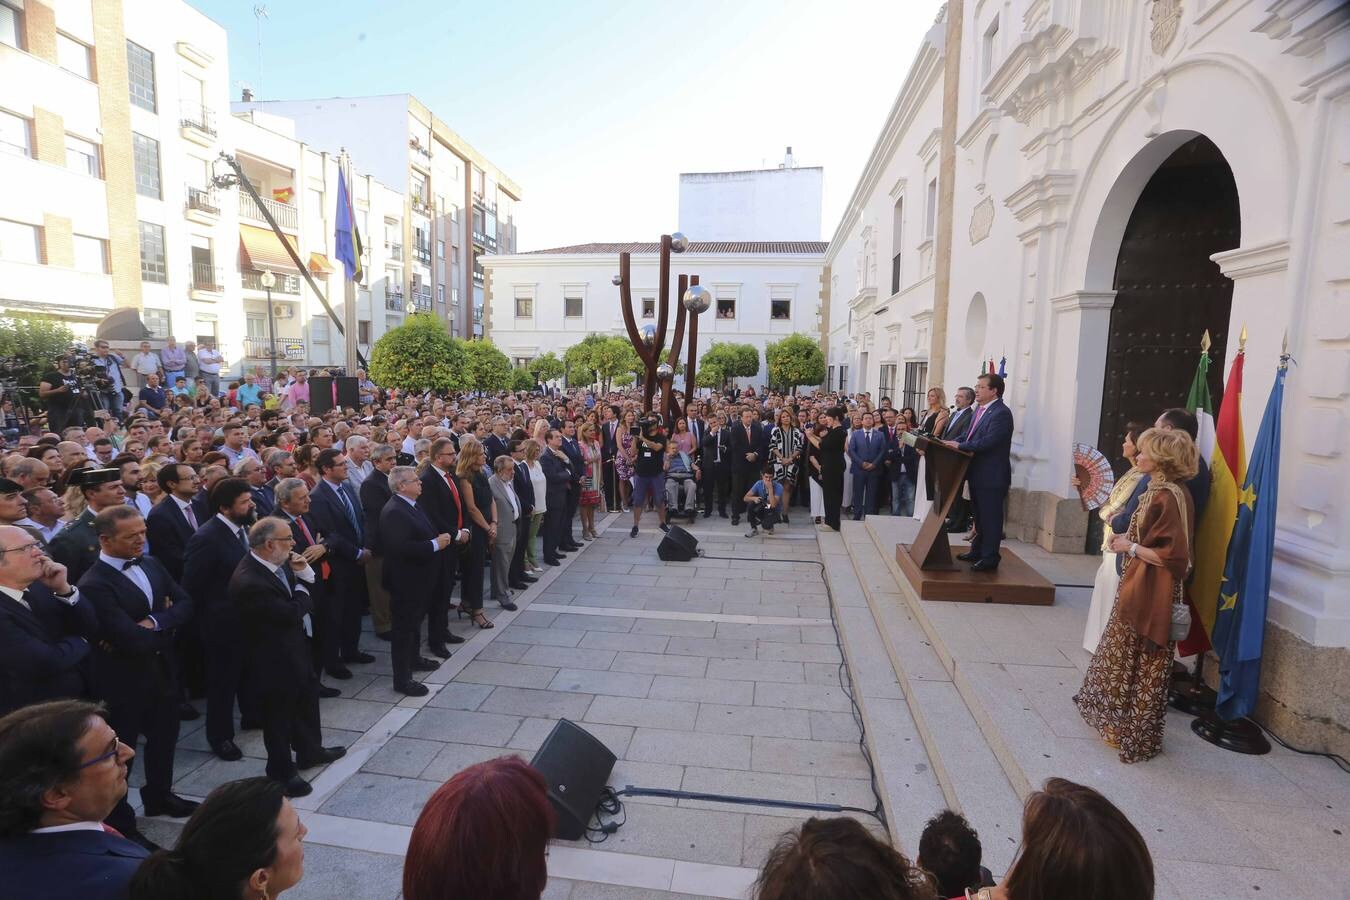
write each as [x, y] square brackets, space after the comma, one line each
[829, 378]
[572, 307]
[255, 326]
[916, 384]
[648, 308]
[82, 156]
[897, 241]
[91, 254]
[440, 294]
[780, 303]
[843, 378]
[363, 333]
[15, 135]
[524, 305]
[19, 242]
[156, 322]
[11, 26]
[987, 51]
[146, 154]
[930, 211]
[141, 76]
[153, 267]
[726, 303]
[440, 249]
[73, 56]
[886, 381]
[318, 330]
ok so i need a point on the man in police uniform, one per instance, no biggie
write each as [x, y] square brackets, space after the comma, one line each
[76, 547]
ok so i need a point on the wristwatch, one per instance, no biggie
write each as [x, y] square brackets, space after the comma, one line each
[1134, 550]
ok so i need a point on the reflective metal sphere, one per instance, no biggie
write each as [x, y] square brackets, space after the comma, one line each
[616, 280]
[648, 334]
[697, 299]
[665, 370]
[678, 243]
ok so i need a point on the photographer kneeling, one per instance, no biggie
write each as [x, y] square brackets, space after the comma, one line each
[682, 476]
[763, 503]
[649, 478]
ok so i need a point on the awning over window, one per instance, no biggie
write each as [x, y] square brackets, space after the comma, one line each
[259, 249]
[320, 264]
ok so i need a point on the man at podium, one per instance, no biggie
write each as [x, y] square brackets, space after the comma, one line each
[990, 472]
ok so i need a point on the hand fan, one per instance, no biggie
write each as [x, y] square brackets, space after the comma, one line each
[1094, 474]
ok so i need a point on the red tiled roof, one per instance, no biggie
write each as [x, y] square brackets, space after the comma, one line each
[731, 247]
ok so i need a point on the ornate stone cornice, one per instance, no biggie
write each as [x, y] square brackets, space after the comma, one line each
[1045, 65]
[1259, 259]
[1044, 197]
[1083, 300]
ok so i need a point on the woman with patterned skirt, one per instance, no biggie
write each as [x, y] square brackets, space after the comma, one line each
[1115, 515]
[1124, 694]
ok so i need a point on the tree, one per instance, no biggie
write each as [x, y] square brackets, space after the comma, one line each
[730, 361]
[614, 360]
[747, 361]
[579, 361]
[546, 367]
[419, 355]
[793, 361]
[522, 380]
[33, 341]
[486, 367]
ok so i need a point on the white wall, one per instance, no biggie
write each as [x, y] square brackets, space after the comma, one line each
[758, 205]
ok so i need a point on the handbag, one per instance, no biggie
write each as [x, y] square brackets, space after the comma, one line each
[1181, 621]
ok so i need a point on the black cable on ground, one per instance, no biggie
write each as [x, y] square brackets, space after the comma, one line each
[845, 684]
[631, 791]
[609, 804]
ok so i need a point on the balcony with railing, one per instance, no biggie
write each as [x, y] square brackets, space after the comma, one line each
[420, 204]
[394, 251]
[291, 349]
[393, 299]
[286, 284]
[486, 241]
[203, 202]
[206, 277]
[422, 253]
[478, 315]
[421, 298]
[197, 122]
[287, 216]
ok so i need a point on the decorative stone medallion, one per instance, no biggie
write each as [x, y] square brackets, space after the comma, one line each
[981, 220]
[1166, 19]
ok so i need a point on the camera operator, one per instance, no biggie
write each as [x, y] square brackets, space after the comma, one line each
[67, 401]
[111, 362]
[763, 503]
[649, 478]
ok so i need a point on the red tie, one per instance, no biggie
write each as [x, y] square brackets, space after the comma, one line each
[454, 492]
[324, 568]
[976, 424]
[111, 830]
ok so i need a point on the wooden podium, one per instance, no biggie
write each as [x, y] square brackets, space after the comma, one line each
[928, 564]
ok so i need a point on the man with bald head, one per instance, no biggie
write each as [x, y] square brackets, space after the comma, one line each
[29, 473]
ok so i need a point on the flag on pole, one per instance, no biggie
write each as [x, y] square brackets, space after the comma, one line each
[1227, 469]
[1003, 367]
[283, 195]
[1199, 402]
[346, 237]
[990, 370]
[1240, 622]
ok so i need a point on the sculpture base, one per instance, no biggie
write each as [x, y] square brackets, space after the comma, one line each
[1239, 735]
[1012, 582]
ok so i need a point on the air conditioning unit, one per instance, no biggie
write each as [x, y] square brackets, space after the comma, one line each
[282, 311]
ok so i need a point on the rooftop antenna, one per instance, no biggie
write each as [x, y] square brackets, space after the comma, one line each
[260, 13]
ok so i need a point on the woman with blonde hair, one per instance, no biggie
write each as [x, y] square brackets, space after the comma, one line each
[533, 450]
[480, 514]
[590, 480]
[1124, 693]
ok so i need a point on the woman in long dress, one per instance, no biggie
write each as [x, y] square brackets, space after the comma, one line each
[785, 447]
[1115, 515]
[933, 424]
[1124, 693]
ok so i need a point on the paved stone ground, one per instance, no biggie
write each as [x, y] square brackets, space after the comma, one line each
[718, 676]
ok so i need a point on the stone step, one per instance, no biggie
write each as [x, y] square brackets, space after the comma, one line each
[970, 773]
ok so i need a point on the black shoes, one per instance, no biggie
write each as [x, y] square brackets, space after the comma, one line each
[985, 565]
[385, 635]
[295, 786]
[665, 527]
[187, 712]
[323, 758]
[968, 556]
[552, 562]
[359, 657]
[412, 689]
[735, 520]
[227, 750]
[422, 664]
[454, 639]
[634, 532]
[528, 579]
[707, 514]
[722, 513]
[326, 691]
[507, 605]
[170, 805]
[340, 672]
[439, 650]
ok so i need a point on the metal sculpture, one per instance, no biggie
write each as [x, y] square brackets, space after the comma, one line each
[650, 340]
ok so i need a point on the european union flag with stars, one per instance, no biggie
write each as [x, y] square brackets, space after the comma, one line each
[1240, 624]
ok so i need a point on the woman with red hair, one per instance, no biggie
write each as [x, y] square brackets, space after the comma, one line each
[482, 834]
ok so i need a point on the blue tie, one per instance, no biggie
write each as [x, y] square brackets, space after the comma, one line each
[351, 513]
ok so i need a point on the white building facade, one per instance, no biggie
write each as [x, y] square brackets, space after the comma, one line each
[781, 204]
[548, 300]
[1129, 175]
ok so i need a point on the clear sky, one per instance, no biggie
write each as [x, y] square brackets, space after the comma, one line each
[594, 108]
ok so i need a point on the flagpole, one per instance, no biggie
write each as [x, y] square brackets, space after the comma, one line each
[349, 296]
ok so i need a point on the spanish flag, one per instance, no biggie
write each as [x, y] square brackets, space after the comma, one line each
[283, 195]
[1227, 470]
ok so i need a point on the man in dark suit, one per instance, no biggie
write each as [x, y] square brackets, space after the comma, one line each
[567, 539]
[716, 455]
[958, 426]
[990, 472]
[749, 450]
[173, 521]
[441, 502]
[336, 510]
[558, 477]
[494, 445]
[45, 627]
[201, 503]
[831, 455]
[268, 587]
[293, 508]
[609, 451]
[253, 471]
[56, 794]
[212, 554]
[139, 609]
[699, 429]
[374, 494]
[867, 450]
[901, 466]
[412, 546]
[524, 489]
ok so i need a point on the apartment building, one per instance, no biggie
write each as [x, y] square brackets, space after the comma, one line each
[109, 122]
[458, 207]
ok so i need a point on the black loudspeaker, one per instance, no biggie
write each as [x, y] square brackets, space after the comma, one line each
[347, 394]
[576, 767]
[678, 545]
[320, 394]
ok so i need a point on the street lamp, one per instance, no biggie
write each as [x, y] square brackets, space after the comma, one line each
[268, 281]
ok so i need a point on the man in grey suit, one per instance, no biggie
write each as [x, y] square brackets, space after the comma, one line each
[958, 426]
[508, 517]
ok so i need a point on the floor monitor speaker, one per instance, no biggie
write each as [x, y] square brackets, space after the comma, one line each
[678, 545]
[576, 767]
